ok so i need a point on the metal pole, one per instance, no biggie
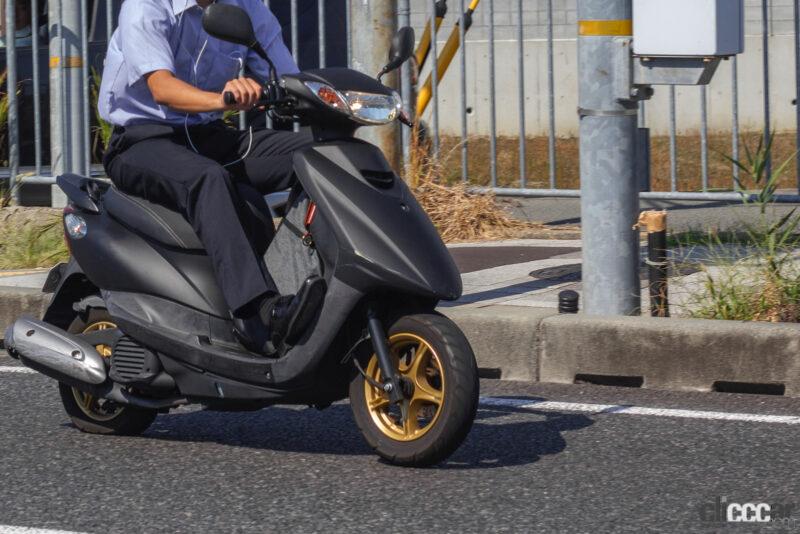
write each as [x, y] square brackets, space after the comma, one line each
[765, 50]
[68, 112]
[551, 97]
[373, 24]
[797, 87]
[322, 34]
[492, 98]
[350, 30]
[462, 28]
[609, 196]
[13, 106]
[704, 136]
[295, 23]
[523, 175]
[87, 141]
[406, 88]
[37, 90]
[109, 20]
[673, 141]
[269, 119]
[434, 80]
[735, 132]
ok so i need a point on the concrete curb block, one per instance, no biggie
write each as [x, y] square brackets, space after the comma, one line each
[17, 301]
[504, 337]
[675, 354]
[536, 345]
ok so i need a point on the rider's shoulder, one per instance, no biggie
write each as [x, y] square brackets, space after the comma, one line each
[149, 8]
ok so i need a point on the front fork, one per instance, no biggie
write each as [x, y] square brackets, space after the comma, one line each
[391, 380]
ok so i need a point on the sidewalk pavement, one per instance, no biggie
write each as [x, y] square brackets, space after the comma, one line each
[526, 273]
[683, 215]
[493, 273]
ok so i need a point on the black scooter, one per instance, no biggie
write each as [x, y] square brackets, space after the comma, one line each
[137, 324]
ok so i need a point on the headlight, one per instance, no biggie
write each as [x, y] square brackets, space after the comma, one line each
[366, 108]
[374, 109]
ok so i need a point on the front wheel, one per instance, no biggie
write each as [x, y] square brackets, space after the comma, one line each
[440, 384]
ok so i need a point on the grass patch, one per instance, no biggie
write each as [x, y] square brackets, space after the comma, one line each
[764, 283]
[27, 244]
[458, 214]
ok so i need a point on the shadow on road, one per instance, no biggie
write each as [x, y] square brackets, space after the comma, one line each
[492, 443]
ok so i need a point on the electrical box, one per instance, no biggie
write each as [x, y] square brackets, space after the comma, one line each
[688, 28]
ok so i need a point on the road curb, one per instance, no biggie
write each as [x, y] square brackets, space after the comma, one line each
[504, 338]
[673, 354]
[19, 301]
[537, 345]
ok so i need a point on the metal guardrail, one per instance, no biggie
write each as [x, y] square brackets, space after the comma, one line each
[40, 173]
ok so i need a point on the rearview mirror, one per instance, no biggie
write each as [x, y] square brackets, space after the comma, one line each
[229, 23]
[401, 51]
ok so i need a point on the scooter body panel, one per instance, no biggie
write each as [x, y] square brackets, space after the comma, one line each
[386, 240]
[115, 258]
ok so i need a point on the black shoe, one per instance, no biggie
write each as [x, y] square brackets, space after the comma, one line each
[287, 318]
[252, 335]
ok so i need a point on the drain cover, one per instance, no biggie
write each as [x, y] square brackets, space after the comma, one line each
[564, 273]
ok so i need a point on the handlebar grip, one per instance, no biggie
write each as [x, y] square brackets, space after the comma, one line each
[230, 100]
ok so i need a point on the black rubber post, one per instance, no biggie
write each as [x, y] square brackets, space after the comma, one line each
[658, 266]
[568, 302]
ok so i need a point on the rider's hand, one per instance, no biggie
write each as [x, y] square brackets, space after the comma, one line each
[246, 91]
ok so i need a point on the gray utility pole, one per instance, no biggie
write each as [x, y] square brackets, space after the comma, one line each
[373, 23]
[67, 119]
[609, 195]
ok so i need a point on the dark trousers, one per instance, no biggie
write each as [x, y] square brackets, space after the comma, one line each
[157, 163]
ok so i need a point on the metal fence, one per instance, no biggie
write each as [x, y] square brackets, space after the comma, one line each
[58, 28]
[511, 17]
[517, 12]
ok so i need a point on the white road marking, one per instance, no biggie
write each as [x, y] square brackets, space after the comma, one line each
[17, 369]
[6, 529]
[598, 409]
[592, 409]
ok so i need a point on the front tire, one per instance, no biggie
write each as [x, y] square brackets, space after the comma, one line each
[440, 379]
[97, 416]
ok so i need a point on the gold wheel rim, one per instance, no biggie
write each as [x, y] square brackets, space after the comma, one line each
[97, 409]
[421, 370]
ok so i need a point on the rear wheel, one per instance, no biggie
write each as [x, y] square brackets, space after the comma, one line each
[440, 384]
[100, 416]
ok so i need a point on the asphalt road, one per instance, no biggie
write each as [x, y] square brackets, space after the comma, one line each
[539, 459]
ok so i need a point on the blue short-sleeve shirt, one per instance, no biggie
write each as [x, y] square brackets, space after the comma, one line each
[168, 35]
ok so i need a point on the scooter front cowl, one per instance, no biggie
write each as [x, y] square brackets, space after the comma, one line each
[385, 238]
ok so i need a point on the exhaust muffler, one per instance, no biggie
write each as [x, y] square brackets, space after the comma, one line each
[55, 353]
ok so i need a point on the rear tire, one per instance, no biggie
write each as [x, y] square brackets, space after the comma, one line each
[438, 368]
[88, 414]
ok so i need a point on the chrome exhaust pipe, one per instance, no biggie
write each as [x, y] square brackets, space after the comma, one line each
[55, 353]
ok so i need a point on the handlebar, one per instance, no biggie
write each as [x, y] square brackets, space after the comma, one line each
[230, 99]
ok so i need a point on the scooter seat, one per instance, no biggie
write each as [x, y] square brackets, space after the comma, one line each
[158, 222]
[169, 227]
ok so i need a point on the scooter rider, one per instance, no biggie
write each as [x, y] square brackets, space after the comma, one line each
[162, 88]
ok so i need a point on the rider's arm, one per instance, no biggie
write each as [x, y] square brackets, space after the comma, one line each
[176, 94]
[144, 39]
